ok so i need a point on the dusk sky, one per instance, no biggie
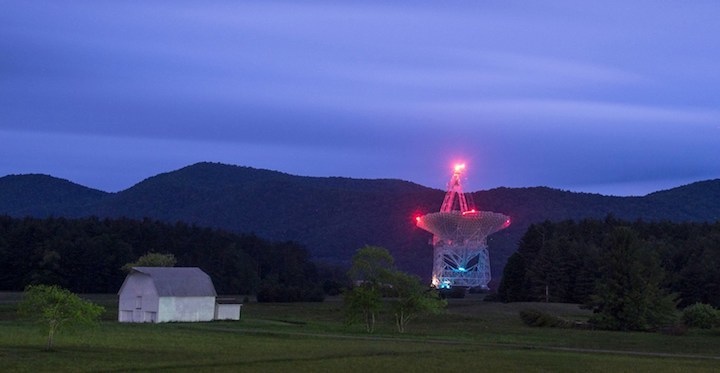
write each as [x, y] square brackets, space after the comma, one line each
[612, 97]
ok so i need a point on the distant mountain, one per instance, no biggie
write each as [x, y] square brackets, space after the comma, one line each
[44, 195]
[335, 216]
[331, 216]
[691, 201]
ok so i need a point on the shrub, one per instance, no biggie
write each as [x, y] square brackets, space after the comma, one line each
[533, 317]
[700, 315]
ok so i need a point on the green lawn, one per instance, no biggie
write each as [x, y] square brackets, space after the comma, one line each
[311, 337]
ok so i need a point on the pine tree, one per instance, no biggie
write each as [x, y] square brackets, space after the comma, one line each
[629, 294]
[513, 287]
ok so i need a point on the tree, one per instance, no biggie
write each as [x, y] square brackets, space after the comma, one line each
[371, 269]
[362, 302]
[374, 275]
[513, 287]
[152, 259]
[56, 308]
[629, 295]
[413, 299]
[371, 264]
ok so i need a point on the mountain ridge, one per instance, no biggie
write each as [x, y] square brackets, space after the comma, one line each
[46, 194]
[344, 178]
[333, 216]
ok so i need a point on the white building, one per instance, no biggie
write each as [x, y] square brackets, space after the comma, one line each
[227, 309]
[163, 294]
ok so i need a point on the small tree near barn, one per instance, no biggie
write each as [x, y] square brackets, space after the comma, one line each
[152, 259]
[55, 308]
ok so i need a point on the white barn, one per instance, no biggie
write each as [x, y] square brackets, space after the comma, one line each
[163, 294]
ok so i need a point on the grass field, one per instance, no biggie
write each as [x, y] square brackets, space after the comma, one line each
[310, 337]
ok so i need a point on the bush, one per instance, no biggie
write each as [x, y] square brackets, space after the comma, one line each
[533, 317]
[700, 315]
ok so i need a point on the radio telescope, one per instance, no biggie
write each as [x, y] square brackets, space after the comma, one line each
[460, 255]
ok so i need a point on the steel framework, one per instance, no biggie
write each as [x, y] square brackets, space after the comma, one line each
[459, 238]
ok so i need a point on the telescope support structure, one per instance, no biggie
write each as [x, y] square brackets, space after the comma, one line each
[460, 250]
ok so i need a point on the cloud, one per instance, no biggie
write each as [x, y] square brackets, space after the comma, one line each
[537, 92]
[577, 111]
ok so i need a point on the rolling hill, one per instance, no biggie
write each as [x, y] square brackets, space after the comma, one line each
[334, 216]
[44, 195]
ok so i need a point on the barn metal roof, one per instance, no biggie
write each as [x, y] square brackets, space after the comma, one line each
[179, 281]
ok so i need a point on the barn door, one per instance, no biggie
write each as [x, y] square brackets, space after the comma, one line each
[138, 314]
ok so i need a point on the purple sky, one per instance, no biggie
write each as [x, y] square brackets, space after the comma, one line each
[614, 97]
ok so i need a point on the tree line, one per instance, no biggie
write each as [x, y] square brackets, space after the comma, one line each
[608, 264]
[87, 255]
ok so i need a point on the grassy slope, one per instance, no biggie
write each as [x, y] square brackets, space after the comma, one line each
[311, 337]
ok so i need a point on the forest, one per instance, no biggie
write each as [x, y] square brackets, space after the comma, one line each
[555, 261]
[86, 255]
[566, 261]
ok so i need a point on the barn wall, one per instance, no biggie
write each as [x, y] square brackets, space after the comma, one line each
[227, 311]
[186, 309]
[138, 300]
